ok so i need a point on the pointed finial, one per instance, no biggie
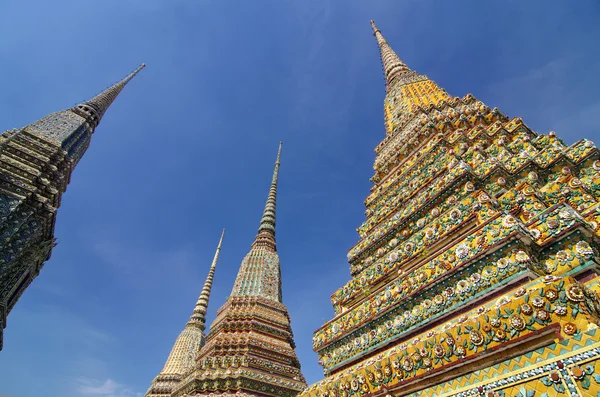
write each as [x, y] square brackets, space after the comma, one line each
[266, 230]
[94, 109]
[393, 67]
[198, 318]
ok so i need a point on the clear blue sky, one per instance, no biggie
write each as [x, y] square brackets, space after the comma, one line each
[188, 148]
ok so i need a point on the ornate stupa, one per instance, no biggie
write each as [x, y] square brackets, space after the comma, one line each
[36, 163]
[475, 273]
[250, 348]
[185, 350]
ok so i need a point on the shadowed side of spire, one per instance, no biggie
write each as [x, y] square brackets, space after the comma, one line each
[198, 318]
[266, 231]
[94, 109]
[393, 67]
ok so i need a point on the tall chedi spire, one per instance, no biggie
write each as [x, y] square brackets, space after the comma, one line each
[476, 270]
[36, 163]
[188, 344]
[393, 67]
[250, 348]
[266, 231]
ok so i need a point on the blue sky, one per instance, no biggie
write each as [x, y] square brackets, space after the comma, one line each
[188, 148]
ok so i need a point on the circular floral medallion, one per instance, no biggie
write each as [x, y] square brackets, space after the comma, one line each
[462, 287]
[583, 248]
[489, 272]
[439, 351]
[517, 322]
[569, 328]
[520, 292]
[575, 293]
[380, 251]
[454, 214]
[501, 181]
[387, 371]
[409, 247]
[371, 377]
[435, 211]
[407, 364]
[364, 388]
[427, 304]
[393, 242]
[522, 257]
[495, 322]
[449, 292]
[532, 176]
[500, 334]
[549, 266]
[393, 257]
[354, 385]
[552, 224]
[483, 198]
[438, 299]
[526, 308]
[462, 251]
[476, 337]
[417, 311]
[566, 214]
[554, 377]
[577, 373]
[542, 315]
[538, 302]
[475, 278]
[502, 263]
[398, 321]
[509, 221]
[430, 233]
[460, 351]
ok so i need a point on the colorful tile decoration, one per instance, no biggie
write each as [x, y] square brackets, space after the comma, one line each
[476, 269]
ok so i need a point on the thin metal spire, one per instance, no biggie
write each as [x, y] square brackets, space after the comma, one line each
[198, 318]
[94, 109]
[392, 65]
[266, 231]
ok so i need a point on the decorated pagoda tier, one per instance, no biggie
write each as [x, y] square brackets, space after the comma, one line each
[250, 348]
[476, 268]
[36, 163]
